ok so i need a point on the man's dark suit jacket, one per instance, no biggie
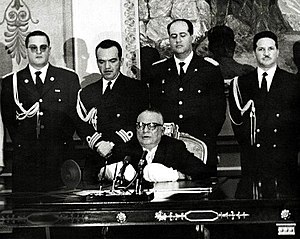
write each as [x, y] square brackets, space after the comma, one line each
[37, 162]
[196, 103]
[170, 152]
[273, 158]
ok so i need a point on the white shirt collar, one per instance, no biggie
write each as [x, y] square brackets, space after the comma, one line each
[187, 61]
[42, 75]
[269, 77]
[105, 82]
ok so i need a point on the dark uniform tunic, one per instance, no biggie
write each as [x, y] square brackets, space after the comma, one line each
[117, 112]
[40, 146]
[270, 164]
[196, 103]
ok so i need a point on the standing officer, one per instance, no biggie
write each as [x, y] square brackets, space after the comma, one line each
[189, 90]
[109, 106]
[264, 106]
[39, 110]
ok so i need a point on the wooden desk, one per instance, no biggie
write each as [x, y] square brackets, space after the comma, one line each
[179, 203]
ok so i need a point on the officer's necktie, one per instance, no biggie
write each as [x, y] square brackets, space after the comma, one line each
[108, 88]
[181, 73]
[263, 87]
[38, 82]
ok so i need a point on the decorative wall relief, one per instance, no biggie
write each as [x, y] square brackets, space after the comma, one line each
[130, 37]
[245, 17]
[17, 17]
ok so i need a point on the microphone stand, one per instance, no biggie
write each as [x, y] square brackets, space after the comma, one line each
[139, 180]
[121, 178]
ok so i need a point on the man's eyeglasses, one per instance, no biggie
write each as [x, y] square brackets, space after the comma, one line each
[34, 48]
[150, 126]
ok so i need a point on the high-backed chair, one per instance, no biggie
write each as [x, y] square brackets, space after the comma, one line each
[194, 145]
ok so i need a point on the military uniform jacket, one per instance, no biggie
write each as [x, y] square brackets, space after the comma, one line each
[272, 159]
[196, 103]
[42, 135]
[117, 111]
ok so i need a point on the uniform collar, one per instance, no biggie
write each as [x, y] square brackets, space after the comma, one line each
[187, 61]
[42, 75]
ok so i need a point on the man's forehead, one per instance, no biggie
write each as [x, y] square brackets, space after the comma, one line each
[265, 41]
[37, 39]
[179, 27]
[148, 117]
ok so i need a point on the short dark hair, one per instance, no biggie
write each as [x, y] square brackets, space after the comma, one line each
[36, 33]
[108, 44]
[264, 34]
[188, 22]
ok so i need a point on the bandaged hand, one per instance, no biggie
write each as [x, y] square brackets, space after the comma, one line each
[111, 169]
[156, 172]
[104, 148]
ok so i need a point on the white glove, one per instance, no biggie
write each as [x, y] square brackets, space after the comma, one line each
[156, 172]
[111, 168]
[104, 148]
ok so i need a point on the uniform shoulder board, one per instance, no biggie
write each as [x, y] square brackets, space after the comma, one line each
[8, 74]
[212, 61]
[157, 62]
[66, 68]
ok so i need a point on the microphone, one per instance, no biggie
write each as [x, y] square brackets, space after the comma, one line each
[121, 177]
[141, 165]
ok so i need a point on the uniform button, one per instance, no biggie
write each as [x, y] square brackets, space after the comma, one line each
[118, 115]
[204, 135]
[180, 116]
[162, 91]
[199, 91]
[59, 100]
[257, 145]
[275, 130]
[42, 126]
[180, 89]
[40, 100]
[180, 102]
[257, 130]
[274, 145]
[41, 113]
[65, 143]
[277, 115]
[19, 145]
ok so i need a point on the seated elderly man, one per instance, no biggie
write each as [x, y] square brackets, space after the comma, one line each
[167, 158]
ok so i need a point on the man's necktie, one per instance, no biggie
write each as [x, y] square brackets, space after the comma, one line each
[38, 82]
[108, 88]
[181, 74]
[263, 87]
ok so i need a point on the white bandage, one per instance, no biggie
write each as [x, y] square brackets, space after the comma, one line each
[156, 172]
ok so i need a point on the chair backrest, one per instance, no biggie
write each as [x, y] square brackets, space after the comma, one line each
[194, 145]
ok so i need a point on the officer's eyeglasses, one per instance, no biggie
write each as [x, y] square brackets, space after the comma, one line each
[34, 48]
[150, 126]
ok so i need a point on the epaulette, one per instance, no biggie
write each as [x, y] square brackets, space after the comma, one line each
[157, 62]
[212, 61]
[8, 74]
[67, 69]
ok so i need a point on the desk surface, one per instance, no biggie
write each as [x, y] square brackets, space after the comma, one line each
[183, 202]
